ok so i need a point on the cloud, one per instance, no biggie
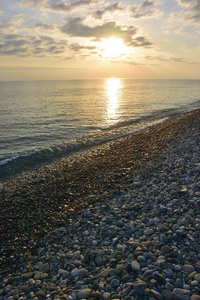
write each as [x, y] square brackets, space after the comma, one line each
[146, 9]
[77, 47]
[10, 24]
[190, 15]
[186, 3]
[61, 6]
[141, 41]
[45, 26]
[30, 45]
[167, 59]
[33, 3]
[75, 27]
[108, 8]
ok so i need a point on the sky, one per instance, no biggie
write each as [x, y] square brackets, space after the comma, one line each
[80, 39]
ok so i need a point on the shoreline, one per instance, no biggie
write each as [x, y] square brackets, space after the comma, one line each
[55, 193]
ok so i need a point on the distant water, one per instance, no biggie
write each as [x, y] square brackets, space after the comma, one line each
[44, 120]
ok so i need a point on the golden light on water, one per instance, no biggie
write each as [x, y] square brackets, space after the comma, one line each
[112, 86]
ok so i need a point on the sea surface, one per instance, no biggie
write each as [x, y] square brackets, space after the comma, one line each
[41, 121]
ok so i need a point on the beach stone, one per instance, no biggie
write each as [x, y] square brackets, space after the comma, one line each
[195, 297]
[148, 232]
[141, 258]
[84, 294]
[115, 283]
[140, 287]
[186, 286]
[63, 272]
[37, 275]
[62, 283]
[154, 221]
[181, 233]
[31, 281]
[167, 294]
[104, 273]
[75, 272]
[106, 295]
[77, 263]
[177, 267]
[135, 266]
[38, 283]
[169, 273]
[188, 269]
[82, 272]
[44, 276]
[96, 295]
[156, 294]
[7, 288]
[94, 243]
[165, 249]
[191, 275]
[44, 268]
[41, 294]
[181, 294]
[194, 282]
[197, 277]
[27, 276]
[132, 227]
[160, 278]
[98, 260]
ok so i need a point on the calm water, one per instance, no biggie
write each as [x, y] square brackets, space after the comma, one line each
[43, 120]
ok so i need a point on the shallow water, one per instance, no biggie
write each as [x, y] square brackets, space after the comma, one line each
[43, 120]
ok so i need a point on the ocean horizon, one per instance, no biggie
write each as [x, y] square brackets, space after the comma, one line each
[45, 120]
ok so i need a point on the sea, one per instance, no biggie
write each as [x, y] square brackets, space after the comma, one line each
[41, 121]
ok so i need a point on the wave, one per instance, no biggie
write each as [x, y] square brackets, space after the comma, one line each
[101, 134]
[28, 160]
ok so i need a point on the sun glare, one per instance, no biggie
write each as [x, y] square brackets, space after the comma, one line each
[113, 85]
[112, 47]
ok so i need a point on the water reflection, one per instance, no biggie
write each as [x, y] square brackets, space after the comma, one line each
[112, 86]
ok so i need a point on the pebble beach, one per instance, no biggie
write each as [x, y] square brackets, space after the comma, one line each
[119, 221]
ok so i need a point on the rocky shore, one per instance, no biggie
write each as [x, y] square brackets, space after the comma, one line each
[118, 222]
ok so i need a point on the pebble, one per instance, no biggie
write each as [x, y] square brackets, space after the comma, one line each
[74, 272]
[84, 294]
[139, 241]
[135, 265]
[188, 269]
[181, 294]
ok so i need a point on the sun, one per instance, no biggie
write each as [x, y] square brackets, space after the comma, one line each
[112, 47]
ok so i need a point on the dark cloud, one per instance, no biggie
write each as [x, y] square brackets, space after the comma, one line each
[13, 44]
[141, 41]
[186, 2]
[146, 4]
[10, 24]
[167, 59]
[12, 36]
[30, 45]
[146, 9]
[16, 43]
[61, 6]
[14, 51]
[45, 26]
[75, 27]
[33, 3]
[108, 8]
[191, 12]
[77, 47]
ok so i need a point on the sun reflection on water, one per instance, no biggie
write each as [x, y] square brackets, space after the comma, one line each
[112, 86]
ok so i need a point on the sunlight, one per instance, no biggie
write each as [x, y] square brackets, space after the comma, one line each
[113, 85]
[112, 47]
